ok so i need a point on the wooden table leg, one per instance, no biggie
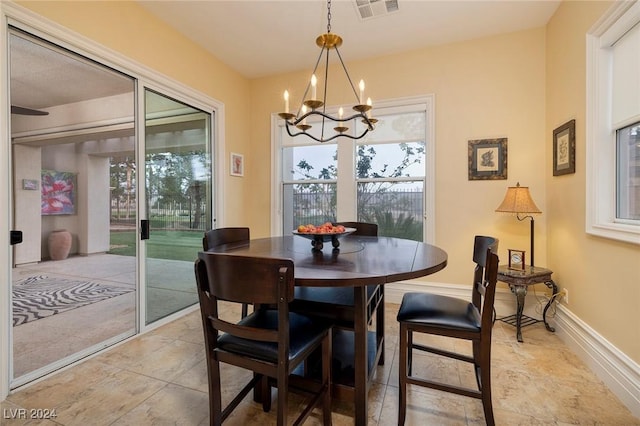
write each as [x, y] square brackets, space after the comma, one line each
[360, 355]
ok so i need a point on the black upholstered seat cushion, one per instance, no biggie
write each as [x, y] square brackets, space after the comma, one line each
[438, 310]
[331, 295]
[303, 332]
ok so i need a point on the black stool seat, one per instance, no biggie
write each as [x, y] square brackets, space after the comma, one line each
[438, 310]
[303, 334]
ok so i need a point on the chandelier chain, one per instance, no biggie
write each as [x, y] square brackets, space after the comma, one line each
[329, 16]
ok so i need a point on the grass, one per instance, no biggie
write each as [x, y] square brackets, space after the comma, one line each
[172, 245]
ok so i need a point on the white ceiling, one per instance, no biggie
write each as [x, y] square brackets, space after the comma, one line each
[44, 76]
[264, 37]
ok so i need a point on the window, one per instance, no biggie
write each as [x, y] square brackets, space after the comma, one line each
[387, 177]
[613, 125]
[628, 173]
[390, 175]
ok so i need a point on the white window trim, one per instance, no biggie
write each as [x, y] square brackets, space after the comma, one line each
[600, 137]
[430, 173]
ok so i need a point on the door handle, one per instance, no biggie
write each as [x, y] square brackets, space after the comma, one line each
[144, 229]
[15, 237]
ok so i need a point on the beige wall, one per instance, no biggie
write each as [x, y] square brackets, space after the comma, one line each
[486, 88]
[602, 275]
[130, 30]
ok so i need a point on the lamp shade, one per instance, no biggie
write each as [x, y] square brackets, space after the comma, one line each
[518, 200]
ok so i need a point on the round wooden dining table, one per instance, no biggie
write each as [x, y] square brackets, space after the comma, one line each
[359, 261]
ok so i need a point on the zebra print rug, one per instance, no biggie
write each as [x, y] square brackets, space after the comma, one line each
[41, 296]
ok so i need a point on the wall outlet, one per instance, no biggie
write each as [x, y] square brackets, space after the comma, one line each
[566, 295]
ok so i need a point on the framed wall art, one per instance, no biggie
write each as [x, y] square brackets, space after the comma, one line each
[488, 159]
[58, 193]
[564, 149]
[30, 184]
[237, 165]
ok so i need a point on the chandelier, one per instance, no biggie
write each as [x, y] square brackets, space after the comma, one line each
[313, 107]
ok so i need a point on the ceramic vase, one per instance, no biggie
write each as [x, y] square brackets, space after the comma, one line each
[59, 244]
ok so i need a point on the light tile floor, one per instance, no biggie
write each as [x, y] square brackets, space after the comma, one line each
[160, 379]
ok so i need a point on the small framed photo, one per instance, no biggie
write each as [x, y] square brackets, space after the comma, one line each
[30, 184]
[488, 159]
[236, 168]
[516, 259]
[564, 149]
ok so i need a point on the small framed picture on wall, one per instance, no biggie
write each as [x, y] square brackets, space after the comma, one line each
[564, 149]
[237, 165]
[488, 159]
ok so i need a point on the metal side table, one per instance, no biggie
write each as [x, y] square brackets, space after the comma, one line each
[519, 281]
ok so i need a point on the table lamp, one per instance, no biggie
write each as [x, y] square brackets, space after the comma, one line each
[518, 200]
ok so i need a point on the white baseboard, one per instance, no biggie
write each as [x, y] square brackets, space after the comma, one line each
[619, 373]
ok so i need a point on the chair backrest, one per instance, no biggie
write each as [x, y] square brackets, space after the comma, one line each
[490, 282]
[362, 228]
[480, 247]
[485, 277]
[232, 278]
[220, 236]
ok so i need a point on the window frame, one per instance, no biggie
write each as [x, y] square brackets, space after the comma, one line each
[601, 169]
[346, 177]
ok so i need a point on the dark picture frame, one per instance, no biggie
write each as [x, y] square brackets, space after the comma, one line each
[488, 159]
[564, 149]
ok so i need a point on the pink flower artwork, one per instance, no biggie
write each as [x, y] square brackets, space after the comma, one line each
[58, 192]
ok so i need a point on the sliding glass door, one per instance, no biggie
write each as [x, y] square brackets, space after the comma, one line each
[111, 194]
[72, 133]
[178, 201]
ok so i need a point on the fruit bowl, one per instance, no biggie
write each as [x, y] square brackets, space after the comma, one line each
[319, 238]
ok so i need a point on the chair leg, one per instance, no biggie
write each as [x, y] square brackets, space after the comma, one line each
[283, 395]
[404, 362]
[326, 378]
[477, 363]
[409, 346]
[380, 323]
[487, 405]
[215, 398]
[265, 393]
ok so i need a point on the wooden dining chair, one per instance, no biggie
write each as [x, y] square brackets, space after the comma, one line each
[221, 236]
[456, 318]
[270, 342]
[337, 304]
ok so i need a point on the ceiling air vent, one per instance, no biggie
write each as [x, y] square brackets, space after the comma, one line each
[368, 9]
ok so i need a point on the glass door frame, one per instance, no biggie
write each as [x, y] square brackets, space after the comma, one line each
[142, 213]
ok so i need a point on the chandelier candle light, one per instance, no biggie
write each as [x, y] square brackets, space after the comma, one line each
[297, 125]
